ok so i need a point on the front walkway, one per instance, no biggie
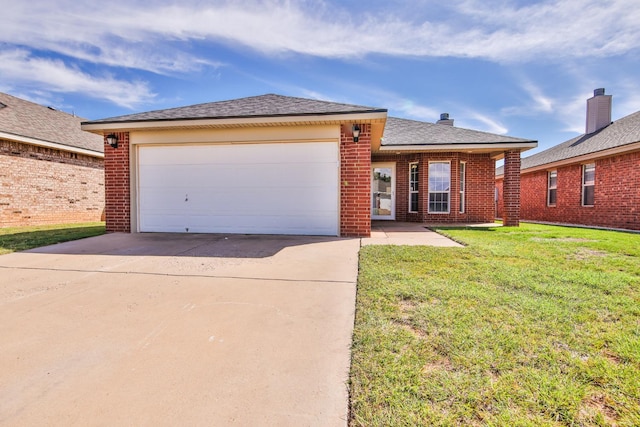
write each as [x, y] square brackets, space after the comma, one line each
[411, 234]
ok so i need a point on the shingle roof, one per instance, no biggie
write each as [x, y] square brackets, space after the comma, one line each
[410, 132]
[26, 119]
[255, 106]
[622, 132]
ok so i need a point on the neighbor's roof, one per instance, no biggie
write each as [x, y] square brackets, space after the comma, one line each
[255, 106]
[624, 131]
[25, 121]
[399, 132]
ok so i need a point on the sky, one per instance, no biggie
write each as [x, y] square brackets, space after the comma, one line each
[511, 67]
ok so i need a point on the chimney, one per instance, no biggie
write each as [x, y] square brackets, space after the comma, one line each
[445, 120]
[598, 111]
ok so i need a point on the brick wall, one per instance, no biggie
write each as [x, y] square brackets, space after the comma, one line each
[40, 185]
[355, 184]
[479, 191]
[499, 189]
[511, 189]
[117, 188]
[617, 194]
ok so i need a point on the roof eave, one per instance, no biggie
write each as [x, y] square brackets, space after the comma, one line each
[50, 144]
[585, 157]
[369, 116]
[472, 147]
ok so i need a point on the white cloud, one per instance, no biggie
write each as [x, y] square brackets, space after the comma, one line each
[129, 33]
[479, 121]
[168, 36]
[538, 103]
[410, 108]
[56, 76]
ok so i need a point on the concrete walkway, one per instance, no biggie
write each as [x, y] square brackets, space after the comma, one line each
[405, 233]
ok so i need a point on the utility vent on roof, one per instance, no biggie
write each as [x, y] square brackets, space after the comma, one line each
[445, 120]
[598, 111]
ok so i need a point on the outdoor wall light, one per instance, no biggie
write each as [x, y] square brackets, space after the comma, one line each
[356, 133]
[112, 139]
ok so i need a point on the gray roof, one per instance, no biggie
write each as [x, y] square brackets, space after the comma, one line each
[26, 119]
[255, 106]
[410, 132]
[622, 132]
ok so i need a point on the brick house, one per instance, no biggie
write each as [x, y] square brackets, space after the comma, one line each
[51, 171]
[592, 179]
[282, 165]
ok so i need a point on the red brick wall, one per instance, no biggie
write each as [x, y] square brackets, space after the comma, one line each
[617, 194]
[480, 177]
[117, 188]
[355, 184]
[511, 187]
[500, 202]
[40, 185]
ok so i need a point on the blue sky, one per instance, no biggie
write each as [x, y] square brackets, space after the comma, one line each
[521, 68]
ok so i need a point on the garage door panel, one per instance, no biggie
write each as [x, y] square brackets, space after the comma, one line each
[261, 188]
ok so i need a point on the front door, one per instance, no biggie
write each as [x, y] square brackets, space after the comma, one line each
[383, 191]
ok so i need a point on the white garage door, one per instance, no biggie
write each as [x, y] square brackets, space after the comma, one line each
[288, 188]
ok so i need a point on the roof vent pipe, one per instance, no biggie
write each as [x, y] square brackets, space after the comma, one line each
[598, 111]
[445, 120]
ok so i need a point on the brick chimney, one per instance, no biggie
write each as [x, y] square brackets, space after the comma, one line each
[598, 111]
[445, 120]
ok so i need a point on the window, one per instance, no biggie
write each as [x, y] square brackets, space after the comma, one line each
[588, 184]
[552, 188]
[413, 187]
[439, 185]
[463, 184]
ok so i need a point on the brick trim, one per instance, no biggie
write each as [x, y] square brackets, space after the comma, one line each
[117, 184]
[355, 183]
[511, 189]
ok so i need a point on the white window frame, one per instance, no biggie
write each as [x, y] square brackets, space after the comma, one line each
[430, 192]
[586, 184]
[463, 185]
[552, 187]
[414, 189]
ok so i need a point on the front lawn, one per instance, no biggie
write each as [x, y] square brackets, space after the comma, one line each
[528, 326]
[23, 238]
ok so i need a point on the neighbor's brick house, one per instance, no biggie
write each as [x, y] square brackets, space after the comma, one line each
[277, 164]
[51, 171]
[592, 179]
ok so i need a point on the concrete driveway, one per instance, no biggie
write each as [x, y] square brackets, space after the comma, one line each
[157, 329]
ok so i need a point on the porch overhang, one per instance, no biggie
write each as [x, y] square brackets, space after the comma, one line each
[496, 150]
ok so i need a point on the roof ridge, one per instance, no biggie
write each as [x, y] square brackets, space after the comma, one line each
[267, 105]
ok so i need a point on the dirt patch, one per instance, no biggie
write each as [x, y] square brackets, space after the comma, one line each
[584, 253]
[598, 404]
[612, 357]
[443, 364]
[407, 305]
[416, 332]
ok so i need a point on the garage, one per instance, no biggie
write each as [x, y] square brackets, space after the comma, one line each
[270, 188]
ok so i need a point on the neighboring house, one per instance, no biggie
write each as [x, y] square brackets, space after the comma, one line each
[592, 179]
[278, 164]
[50, 170]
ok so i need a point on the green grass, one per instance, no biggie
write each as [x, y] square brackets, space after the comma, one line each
[23, 238]
[528, 326]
